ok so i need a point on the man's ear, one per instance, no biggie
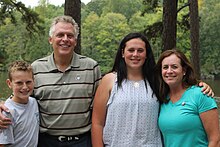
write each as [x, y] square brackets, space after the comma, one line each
[50, 40]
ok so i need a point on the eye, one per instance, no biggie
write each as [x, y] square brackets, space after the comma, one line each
[141, 50]
[174, 66]
[59, 35]
[70, 36]
[19, 83]
[131, 50]
[165, 67]
[29, 82]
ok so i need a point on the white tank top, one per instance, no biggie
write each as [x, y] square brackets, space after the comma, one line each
[132, 114]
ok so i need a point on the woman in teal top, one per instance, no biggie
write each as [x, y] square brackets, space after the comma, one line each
[187, 118]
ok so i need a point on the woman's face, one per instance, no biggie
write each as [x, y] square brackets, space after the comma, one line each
[172, 71]
[134, 53]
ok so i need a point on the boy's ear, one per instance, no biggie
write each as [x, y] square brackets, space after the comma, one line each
[8, 83]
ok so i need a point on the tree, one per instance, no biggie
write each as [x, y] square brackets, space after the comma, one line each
[194, 35]
[124, 7]
[7, 9]
[90, 31]
[169, 24]
[101, 37]
[210, 38]
[73, 8]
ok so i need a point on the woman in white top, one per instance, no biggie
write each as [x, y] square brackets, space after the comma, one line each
[125, 108]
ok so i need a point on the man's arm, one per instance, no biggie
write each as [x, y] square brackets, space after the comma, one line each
[206, 89]
[4, 121]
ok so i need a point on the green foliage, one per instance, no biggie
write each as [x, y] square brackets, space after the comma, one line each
[124, 7]
[101, 36]
[7, 9]
[210, 37]
[16, 42]
[89, 35]
[104, 24]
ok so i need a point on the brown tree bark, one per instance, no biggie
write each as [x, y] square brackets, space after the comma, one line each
[73, 8]
[194, 35]
[169, 24]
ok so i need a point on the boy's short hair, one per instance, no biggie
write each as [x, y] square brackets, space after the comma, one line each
[19, 66]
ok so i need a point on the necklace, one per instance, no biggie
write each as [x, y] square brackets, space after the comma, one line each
[136, 84]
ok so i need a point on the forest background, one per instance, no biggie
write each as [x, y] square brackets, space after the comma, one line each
[104, 23]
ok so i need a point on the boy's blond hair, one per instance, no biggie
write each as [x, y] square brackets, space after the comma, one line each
[19, 66]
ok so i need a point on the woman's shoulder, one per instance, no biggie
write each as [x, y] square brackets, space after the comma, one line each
[109, 76]
[107, 81]
[196, 90]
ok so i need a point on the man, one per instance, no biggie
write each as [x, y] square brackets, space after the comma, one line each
[65, 84]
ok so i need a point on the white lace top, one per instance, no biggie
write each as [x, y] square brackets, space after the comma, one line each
[132, 114]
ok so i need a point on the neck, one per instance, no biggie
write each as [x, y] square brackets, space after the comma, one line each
[176, 93]
[20, 101]
[135, 75]
[62, 63]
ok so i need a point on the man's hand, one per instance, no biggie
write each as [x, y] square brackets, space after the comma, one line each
[4, 121]
[206, 89]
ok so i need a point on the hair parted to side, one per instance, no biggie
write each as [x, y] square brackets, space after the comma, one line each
[19, 66]
[66, 19]
[189, 78]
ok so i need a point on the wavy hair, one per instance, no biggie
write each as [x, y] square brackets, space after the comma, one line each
[66, 19]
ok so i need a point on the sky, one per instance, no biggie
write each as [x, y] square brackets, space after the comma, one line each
[33, 3]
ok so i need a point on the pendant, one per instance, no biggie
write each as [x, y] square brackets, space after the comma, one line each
[136, 84]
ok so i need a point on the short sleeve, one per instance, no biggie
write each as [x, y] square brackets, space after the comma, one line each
[206, 103]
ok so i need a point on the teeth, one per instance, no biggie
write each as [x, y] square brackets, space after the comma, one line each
[64, 45]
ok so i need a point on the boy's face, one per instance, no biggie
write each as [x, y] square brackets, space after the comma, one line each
[22, 85]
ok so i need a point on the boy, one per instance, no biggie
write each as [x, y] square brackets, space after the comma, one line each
[23, 109]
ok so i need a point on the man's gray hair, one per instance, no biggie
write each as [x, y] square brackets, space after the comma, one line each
[67, 19]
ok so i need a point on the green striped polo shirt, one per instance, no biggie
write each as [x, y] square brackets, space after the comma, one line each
[65, 98]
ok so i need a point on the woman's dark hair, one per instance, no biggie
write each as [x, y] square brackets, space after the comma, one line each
[189, 78]
[148, 66]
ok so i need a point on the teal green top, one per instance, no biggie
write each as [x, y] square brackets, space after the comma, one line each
[180, 123]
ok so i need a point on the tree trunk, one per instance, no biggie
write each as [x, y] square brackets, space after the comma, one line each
[73, 8]
[169, 24]
[194, 35]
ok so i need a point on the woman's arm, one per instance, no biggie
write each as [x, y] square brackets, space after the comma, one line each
[99, 109]
[210, 122]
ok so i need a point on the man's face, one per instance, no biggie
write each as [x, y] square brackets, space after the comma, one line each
[63, 39]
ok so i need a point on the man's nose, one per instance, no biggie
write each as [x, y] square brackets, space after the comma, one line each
[65, 37]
